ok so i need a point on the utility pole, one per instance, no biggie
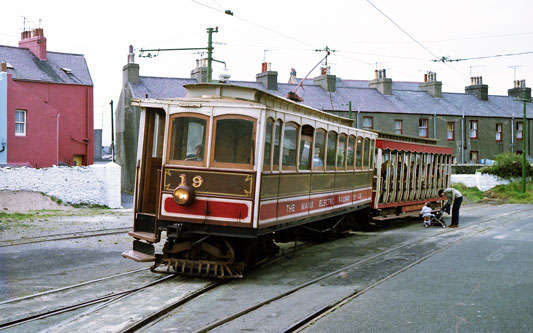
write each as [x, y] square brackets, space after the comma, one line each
[112, 134]
[209, 49]
[524, 141]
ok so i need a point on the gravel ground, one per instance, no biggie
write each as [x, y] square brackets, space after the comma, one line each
[26, 214]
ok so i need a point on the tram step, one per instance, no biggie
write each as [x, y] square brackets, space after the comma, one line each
[138, 256]
[147, 236]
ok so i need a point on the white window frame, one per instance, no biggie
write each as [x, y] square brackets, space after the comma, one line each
[23, 122]
[398, 126]
[423, 127]
[366, 120]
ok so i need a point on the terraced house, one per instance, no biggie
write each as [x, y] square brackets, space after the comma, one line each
[46, 105]
[476, 125]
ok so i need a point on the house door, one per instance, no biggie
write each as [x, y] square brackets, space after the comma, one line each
[149, 172]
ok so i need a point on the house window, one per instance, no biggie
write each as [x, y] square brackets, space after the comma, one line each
[450, 131]
[473, 129]
[473, 156]
[519, 130]
[368, 123]
[498, 132]
[423, 128]
[20, 122]
[398, 126]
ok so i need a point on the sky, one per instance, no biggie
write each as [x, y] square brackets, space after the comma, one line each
[403, 37]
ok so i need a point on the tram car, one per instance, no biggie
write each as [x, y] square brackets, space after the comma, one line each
[227, 171]
[409, 172]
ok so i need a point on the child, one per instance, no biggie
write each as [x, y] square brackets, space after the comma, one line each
[426, 214]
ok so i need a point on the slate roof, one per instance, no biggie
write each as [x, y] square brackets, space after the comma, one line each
[405, 98]
[30, 68]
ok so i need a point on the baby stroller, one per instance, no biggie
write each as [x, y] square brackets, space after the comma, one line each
[437, 217]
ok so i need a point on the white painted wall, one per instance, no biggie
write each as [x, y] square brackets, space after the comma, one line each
[483, 182]
[95, 184]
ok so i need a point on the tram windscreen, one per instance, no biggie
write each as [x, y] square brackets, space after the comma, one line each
[234, 140]
[187, 139]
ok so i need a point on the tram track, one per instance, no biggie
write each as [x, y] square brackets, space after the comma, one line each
[47, 299]
[65, 236]
[328, 308]
[155, 316]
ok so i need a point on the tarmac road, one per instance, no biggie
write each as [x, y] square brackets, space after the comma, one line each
[483, 284]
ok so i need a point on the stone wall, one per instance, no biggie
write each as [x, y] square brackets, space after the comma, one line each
[483, 182]
[95, 184]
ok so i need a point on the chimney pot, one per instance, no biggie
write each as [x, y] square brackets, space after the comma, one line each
[3, 67]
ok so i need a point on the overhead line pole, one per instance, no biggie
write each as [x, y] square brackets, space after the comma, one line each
[209, 49]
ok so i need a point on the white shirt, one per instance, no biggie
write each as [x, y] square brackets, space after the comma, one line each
[426, 211]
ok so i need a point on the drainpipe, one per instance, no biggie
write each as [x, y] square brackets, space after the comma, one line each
[512, 134]
[57, 139]
[463, 139]
[435, 124]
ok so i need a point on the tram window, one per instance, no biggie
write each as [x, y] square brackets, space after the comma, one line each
[234, 141]
[306, 141]
[341, 151]
[268, 144]
[187, 139]
[330, 157]
[350, 157]
[372, 147]
[319, 149]
[277, 140]
[366, 153]
[290, 139]
[359, 153]
[159, 131]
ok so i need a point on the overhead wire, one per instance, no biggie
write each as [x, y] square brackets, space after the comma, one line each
[254, 23]
[416, 41]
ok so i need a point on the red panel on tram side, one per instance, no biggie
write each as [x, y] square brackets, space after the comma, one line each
[412, 147]
[292, 208]
[223, 210]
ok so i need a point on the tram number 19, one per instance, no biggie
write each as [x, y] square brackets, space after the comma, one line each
[197, 181]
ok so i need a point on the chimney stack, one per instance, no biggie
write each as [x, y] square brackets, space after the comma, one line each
[381, 82]
[267, 77]
[200, 72]
[477, 88]
[35, 41]
[327, 81]
[431, 85]
[130, 71]
[519, 89]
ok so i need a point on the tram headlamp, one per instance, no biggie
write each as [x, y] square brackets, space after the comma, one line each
[183, 195]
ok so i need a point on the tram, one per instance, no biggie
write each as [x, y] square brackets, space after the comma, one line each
[227, 171]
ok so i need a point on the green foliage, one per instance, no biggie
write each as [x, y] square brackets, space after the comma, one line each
[471, 194]
[512, 193]
[507, 166]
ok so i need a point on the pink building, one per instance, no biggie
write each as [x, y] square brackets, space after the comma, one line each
[47, 105]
